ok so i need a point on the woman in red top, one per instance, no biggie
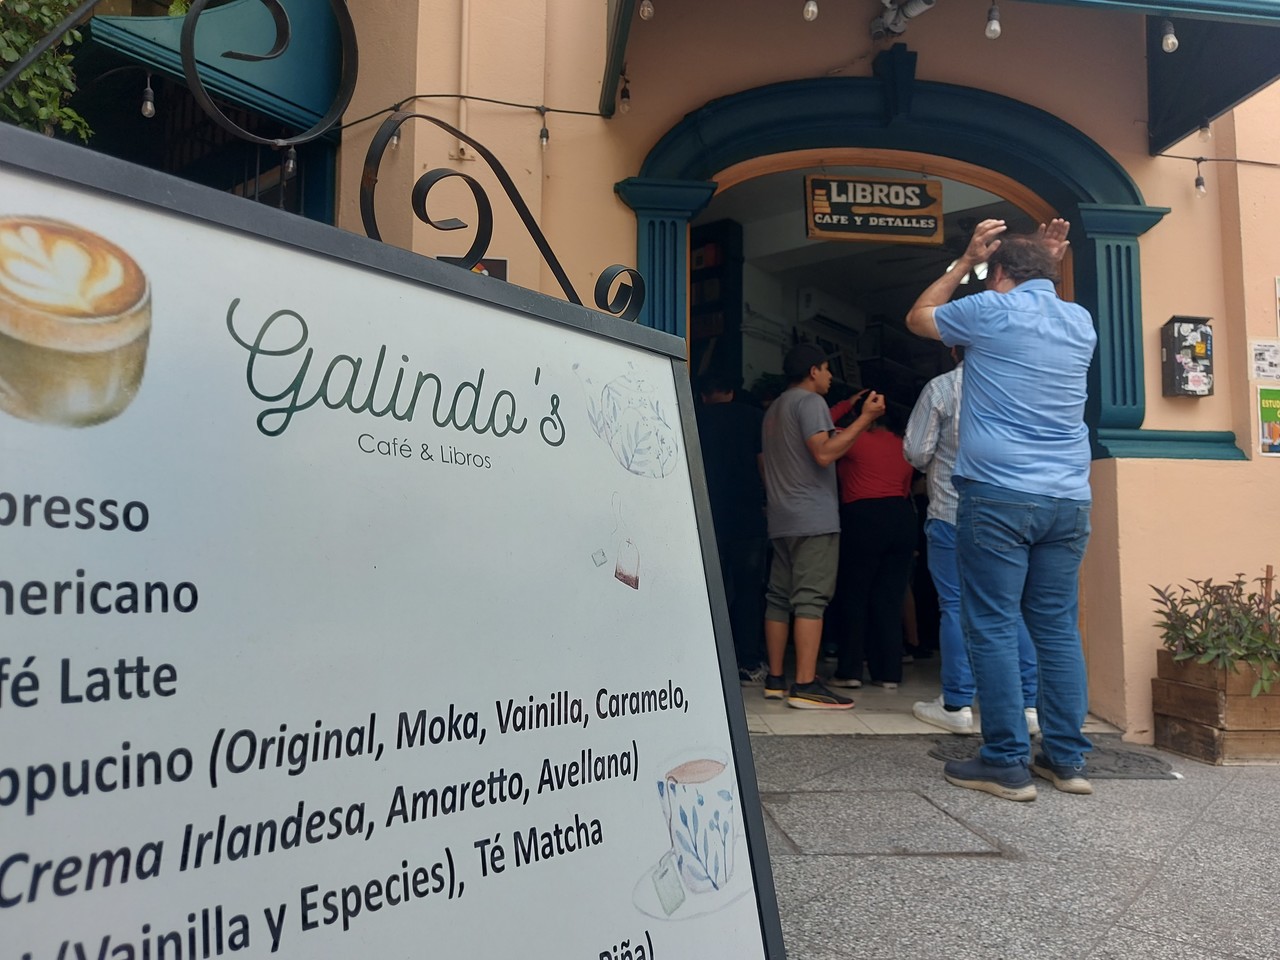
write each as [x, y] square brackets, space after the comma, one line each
[877, 541]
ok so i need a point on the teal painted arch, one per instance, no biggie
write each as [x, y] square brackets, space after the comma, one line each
[1027, 144]
[894, 111]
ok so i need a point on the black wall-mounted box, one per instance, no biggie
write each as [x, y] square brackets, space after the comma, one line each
[1186, 357]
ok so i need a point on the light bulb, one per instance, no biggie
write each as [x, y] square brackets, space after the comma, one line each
[624, 99]
[993, 22]
[544, 137]
[290, 162]
[1206, 132]
[811, 10]
[148, 100]
[646, 9]
[1168, 39]
[1201, 189]
[395, 139]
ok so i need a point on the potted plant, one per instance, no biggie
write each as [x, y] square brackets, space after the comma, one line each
[1212, 696]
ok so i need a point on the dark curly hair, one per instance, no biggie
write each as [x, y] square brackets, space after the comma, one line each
[1024, 257]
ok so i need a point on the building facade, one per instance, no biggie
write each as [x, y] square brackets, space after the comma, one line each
[677, 137]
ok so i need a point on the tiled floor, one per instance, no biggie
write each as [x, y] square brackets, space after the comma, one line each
[877, 711]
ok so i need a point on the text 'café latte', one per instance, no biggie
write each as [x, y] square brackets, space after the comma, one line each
[75, 321]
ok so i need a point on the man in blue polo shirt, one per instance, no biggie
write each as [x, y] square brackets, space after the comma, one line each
[1022, 475]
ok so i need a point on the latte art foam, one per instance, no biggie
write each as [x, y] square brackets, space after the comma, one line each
[57, 272]
[75, 321]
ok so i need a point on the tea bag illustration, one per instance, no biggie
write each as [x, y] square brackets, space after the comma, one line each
[627, 567]
[627, 414]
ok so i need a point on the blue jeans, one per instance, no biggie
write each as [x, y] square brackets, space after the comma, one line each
[1020, 551]
[957, 675]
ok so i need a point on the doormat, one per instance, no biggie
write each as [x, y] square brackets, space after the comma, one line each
[1108, 761]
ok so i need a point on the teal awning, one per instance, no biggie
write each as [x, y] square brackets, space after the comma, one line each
[1264, 12]
[295, 88]
[1227, 51]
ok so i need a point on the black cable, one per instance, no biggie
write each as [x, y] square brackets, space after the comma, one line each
[536, 107]
[1252, 163]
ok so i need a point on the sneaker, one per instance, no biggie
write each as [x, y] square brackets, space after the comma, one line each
[1033, 722]
[847, 682]
[775, 688]
[814, 696]
[1008, 783]
[1066, 779]
[953, 721]
[887, 684]
[752, 676]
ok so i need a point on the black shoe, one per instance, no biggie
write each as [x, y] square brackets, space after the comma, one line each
[851, 683]
[1008, 783]
[752, 676]
[814, 696]
[775, 688]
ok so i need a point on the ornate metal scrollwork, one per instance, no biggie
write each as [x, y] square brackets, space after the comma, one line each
[619, 290]
[626, 301]
[346, 87]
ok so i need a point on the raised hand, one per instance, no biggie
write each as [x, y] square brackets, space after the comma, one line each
[873, 408]
[1054, 237]
[984, 242]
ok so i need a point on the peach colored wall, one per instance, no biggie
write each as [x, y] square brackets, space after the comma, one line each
[532, 52]
[1154, 521]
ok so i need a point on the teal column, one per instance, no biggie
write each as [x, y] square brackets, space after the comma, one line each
[1110, 285]
[663, 211]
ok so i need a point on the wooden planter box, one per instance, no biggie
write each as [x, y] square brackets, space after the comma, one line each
[1207, 714]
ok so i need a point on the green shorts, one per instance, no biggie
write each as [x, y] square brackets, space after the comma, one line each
[802, 578]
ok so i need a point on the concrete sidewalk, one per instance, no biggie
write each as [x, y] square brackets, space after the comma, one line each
[875, 856]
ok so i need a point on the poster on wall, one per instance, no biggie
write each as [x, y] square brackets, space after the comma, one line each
[345, 614]
[1265, 359]
[863, 208]
[1269, 421]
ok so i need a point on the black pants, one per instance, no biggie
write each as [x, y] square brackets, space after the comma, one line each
[743, 567]
[877, 540]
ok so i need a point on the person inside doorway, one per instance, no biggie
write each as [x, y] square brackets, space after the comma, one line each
[878, 538]
[931, 444]
[729, 432]
[801, 447]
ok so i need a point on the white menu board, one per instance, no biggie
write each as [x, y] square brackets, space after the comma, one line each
[342, 615]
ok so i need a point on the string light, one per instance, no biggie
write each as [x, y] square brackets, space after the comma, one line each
[624, 98]
[646, 9]
[1168, 38]
[290, 162]
[395, 139]
[1205, 132]
[1201, 189]
[148, 100]
[993, 22]
[810, 11]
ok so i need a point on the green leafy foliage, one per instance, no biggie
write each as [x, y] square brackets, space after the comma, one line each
[38, 99]
[1224, 624]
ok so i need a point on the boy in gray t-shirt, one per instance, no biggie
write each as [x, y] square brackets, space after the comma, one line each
[801, 447]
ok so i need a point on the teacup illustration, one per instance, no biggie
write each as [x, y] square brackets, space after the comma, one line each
[75, 321]
[698, 798]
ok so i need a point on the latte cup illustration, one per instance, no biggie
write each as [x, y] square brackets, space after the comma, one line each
[698, 794]
[75, 322]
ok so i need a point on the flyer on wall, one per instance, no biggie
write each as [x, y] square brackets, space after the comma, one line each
[343, 614]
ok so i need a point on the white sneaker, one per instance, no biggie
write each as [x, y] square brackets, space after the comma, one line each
[953, 721]
[1033, 722]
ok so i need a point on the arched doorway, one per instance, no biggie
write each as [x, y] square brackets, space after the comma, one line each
[891, 114]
